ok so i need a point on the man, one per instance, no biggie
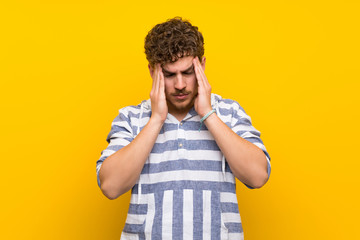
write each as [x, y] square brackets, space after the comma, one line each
[180, 151]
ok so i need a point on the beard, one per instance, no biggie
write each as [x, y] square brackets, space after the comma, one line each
[181, 105]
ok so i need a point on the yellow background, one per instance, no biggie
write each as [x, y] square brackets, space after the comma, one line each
[67, 67]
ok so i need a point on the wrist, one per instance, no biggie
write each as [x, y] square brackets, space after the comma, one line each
[202, 114]
[206, 116]
[156, 120]
[211, 116]
[208, 113]
[212, 122]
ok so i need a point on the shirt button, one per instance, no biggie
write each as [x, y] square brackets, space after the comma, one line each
[181, 123]
[180, 144]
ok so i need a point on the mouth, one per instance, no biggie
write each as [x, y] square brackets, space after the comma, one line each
[181, 96]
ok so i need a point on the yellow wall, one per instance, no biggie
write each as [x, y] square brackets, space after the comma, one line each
[66, 68]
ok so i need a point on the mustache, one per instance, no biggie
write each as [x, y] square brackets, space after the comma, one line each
[182, 92]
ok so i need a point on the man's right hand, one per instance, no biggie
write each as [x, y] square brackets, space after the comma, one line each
[121, 170]
[159, 106]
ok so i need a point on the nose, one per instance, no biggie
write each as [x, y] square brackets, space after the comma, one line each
[180, 82]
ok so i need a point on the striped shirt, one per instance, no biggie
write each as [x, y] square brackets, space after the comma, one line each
[186, 189]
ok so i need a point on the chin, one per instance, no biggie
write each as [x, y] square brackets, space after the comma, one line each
[181, 106]
[185, 105]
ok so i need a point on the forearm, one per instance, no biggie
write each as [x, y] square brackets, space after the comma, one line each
[120, 171]
[247, 161]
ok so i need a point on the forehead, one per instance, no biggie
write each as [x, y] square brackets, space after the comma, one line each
[180, 65]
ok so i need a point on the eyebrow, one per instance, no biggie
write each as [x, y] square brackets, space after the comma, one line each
[186, 70]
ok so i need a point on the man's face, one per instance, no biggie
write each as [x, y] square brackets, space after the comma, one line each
[181, 85]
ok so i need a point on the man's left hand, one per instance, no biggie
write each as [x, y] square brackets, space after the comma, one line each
[203, 100]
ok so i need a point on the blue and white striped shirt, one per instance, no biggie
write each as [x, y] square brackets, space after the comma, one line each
[186, 189]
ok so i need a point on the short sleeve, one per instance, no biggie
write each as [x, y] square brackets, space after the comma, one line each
[120, 135]
[241, 124]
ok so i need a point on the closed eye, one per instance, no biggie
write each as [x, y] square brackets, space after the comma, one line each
[169, 75]
[188, 73]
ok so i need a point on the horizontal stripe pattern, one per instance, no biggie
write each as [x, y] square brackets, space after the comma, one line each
[172, 145]
[137, 208]
[188, 175]
[179, 185]
[234, 227]
[183, 164]
[228, 207]
[184, 193]
[194, 155]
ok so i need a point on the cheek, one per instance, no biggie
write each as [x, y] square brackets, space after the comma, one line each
[193, 83]
[168, 86]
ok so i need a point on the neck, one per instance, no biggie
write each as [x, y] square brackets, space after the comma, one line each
[179, 114]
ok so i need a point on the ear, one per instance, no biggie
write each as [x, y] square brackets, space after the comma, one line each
[203, 61]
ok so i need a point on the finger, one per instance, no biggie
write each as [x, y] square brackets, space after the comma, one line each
[198, 68]
[199, 76]
[162, 82]
[153, 77]
[202, 73]
[156, 79]
[201, 70]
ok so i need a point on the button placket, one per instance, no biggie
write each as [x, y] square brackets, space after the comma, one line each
[181, 139]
